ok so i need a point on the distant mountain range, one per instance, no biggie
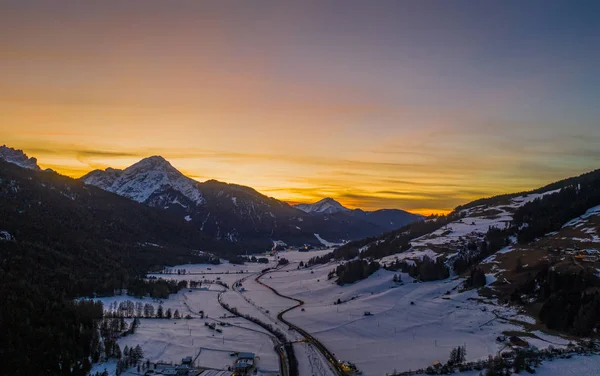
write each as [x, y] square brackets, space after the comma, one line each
[230, 212]
[240, 214]
[389, 219]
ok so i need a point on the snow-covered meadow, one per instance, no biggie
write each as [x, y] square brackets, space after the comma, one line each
[170, 340]
[409, 326]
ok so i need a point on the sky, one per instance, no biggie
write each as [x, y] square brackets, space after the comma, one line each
[419, 105]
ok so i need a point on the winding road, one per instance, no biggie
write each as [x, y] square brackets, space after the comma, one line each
[283, 364]
[309, 338]
[313, 343]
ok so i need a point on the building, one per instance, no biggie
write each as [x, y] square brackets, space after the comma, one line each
[244, 363]
[516, 341]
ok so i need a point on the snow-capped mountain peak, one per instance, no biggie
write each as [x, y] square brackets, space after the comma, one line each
[326, 206]
[18, 157]
[150, 176]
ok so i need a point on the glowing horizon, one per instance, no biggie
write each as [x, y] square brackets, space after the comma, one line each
[65, 162]
[417, 106]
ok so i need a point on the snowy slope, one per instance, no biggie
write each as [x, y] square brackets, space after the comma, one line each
[471, 225]
[18, 157]
[103, 179]
[411, 326]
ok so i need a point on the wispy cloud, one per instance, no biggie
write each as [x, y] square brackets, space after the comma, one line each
[369, 184]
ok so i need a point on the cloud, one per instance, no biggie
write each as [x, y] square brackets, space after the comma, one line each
[436, 180]
[106, 153]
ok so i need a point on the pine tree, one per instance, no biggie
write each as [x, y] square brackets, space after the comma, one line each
[159, 312]
[461, 355]
[125, 357]
[453, 357]
[137, 354]
[139, 308]
[120, 368]
[148, 310]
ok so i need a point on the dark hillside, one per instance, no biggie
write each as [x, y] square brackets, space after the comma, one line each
[60, 240]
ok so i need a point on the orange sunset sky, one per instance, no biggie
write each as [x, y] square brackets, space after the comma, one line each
[389, 104]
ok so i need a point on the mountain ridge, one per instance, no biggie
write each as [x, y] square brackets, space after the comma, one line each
[389, 219]
[238, 213]
[18, 157]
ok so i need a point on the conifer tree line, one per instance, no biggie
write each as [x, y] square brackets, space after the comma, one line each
[354, 270]
[129, 309]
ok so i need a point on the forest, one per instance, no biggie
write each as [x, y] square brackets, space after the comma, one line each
[570, 301]
[355, 270]
[551, 212]
[69, 240]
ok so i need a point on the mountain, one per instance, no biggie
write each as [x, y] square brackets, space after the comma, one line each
[41, 207]
[517, 219]
[61, 239]
[145, 180]
[236, 213]
[326, 205]
[386, 219]
[536, 249]
[18, 157]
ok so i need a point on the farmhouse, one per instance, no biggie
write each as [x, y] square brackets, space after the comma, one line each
[187, 361]
[244, 363]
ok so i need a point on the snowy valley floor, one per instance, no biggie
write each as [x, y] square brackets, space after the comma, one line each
[411, 324]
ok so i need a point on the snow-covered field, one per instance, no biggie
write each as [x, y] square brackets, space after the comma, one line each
[398, 335]
[577, 366]
[171, 340]
[410, 326]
